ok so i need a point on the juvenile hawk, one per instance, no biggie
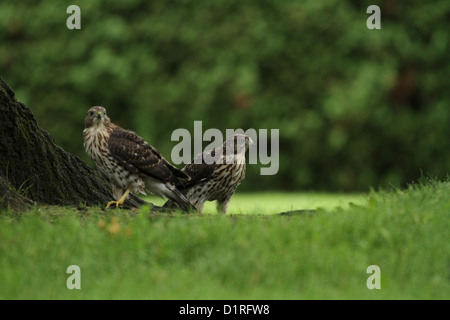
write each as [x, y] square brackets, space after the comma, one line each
[128, 162]
[215, 174]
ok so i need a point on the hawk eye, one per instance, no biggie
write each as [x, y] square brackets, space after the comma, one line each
[91, 113]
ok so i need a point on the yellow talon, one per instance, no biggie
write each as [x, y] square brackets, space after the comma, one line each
[111, 203]
[120, 201]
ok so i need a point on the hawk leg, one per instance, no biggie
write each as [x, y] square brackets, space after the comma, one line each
[222, 205]
[120, 201]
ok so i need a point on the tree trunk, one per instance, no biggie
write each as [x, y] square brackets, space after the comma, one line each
[33, 167]
[12, 199]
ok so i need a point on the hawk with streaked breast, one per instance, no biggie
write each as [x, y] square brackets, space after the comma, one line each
[128, 162]
[216, 174]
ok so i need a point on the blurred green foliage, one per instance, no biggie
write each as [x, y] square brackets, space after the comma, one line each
[355, 107]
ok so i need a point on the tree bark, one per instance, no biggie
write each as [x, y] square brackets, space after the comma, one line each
[12, 199]
[34, 168]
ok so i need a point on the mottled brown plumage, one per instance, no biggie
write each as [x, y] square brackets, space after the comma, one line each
[215, 174]
[128, 162]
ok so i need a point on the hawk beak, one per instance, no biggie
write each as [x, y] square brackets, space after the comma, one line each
[99, 115]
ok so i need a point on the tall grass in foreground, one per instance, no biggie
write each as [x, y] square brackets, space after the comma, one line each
[138, 255]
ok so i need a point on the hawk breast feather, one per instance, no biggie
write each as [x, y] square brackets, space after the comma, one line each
[138, 157]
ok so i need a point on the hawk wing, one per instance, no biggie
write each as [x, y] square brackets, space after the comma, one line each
[137, 156]
[198, 170]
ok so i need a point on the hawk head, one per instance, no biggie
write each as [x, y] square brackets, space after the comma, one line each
[239, 142]
[96, 117]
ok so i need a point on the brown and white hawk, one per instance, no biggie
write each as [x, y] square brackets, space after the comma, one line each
[215, 174]
[128, 162]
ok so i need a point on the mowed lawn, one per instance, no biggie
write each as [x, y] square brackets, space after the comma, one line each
[278, 202]
[251, 253]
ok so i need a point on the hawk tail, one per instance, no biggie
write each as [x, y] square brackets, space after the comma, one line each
[178, 198]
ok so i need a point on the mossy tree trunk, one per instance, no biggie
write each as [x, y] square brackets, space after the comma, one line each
[33, 167]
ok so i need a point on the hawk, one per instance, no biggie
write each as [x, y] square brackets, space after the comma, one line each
[215, 174]
[128, 162]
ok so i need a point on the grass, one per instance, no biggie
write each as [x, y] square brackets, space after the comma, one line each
[249, 254]
[277, 202]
